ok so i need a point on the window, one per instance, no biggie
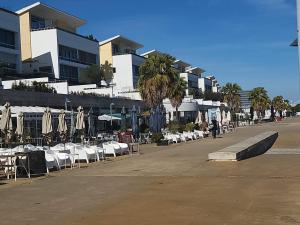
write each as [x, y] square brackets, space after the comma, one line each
[87, 58]
[69, 73]
[74, 55]
[115, 49]
[37, 23]
[68, 53]
[135, 73]
[7, 39]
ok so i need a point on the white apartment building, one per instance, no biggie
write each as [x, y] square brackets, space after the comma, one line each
[209, 83]
[120, 54]
[10, 48]
[51, 44]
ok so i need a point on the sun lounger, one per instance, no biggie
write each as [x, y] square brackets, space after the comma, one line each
[111, 149]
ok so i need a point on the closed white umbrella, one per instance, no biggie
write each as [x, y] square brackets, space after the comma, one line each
[218, 115]
[108, 118]
[20, 126]
[199, 118]
[47, 125]
[6, 123]
[206, 117]
[80, 125]
[228, 116]
[255, 117]
[62, 125]
[224, 119]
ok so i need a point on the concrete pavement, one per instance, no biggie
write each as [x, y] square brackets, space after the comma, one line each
[168, 185]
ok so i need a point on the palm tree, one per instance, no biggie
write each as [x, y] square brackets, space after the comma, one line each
[177, 93]
[278, 103]
[232, 97]
[156, 79]
[260, 100]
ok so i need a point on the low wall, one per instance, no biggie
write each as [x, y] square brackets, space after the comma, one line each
[28, 98]
[251, 147]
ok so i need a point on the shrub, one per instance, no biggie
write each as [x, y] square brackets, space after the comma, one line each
[189, 127]
[36, 87]
[175, 127]
[156, 137]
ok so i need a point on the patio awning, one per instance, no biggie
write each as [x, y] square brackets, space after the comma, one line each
[30, 110]
[108, 118]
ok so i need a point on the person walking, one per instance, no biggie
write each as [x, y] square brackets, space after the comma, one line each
[214, 127]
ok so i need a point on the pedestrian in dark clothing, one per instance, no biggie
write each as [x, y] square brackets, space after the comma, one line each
[214, 127]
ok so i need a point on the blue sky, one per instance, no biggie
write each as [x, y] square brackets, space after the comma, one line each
[242, 41]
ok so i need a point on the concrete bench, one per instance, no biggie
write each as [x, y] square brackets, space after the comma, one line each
[251, 147]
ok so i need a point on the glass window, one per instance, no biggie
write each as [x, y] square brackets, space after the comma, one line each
[135, 72]
[37, 23]
[7, 39]
[69, 73]
[87, 58]
[79, 56]
[68, 53]
[46, 69]
[115, 49]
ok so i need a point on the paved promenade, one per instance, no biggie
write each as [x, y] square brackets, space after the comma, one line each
[168, 185]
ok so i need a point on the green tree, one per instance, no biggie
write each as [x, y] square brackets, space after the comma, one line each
[157, 78]
[108, 71]
[278, 103]
[91, 37]
[214, 96]
[93, 74]
[287, 105]
[231, 96]
[177, 93]
[260, 100]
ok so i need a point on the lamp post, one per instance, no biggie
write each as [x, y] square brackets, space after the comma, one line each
[110, 109]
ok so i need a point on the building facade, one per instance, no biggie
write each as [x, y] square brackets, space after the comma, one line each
[119, 58]
[10, 48]
[245, 101]
[66, 52]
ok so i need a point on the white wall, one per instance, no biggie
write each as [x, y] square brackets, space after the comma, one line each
[131, 95]
[60, 87]
[187, 105]
[9, 21]
[99, 91]
[45, 49]
[123, 77]
[80, 88]
[203, 82]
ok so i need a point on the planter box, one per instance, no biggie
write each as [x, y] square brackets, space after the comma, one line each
[162, 143]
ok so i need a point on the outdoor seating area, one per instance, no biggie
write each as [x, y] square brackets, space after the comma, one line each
[76, 144]
[21, 156]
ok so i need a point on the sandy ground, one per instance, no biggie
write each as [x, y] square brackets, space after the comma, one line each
[167, 185]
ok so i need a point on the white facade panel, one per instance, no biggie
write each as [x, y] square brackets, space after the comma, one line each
[123, 77]
[79, 88]
[205, 84]
[45, 49]
[60, 87]
[48, 54]
[78, 42]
